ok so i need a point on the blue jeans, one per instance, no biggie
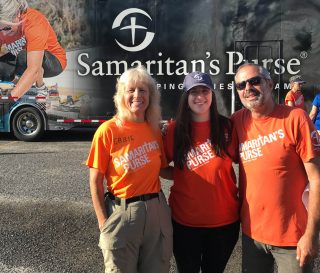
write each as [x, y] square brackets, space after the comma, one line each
[259, 257]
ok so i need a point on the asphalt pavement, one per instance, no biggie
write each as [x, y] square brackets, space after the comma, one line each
[47, 223]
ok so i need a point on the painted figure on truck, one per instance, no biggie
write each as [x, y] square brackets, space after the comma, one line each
[31, 48]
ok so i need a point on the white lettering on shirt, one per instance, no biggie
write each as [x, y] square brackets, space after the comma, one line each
[251, 150]
[16, 46]
[199, 155]
[136, 158]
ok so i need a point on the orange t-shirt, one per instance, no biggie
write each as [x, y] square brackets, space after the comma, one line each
[297, 99]
[34, 34]
[204, 192]
[272, 176]
[130, 157]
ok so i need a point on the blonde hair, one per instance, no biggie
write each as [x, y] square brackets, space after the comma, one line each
[9, 9]
[138, 74]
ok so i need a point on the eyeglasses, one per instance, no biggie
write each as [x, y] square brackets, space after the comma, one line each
[7, 28]
[253, 81]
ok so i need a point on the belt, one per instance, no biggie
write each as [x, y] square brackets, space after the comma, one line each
[143, 197]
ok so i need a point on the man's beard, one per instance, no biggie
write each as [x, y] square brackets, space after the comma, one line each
[251, 105]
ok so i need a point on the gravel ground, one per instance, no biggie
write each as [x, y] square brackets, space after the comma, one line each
[47, 220]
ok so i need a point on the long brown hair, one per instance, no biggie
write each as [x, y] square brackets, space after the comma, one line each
[219, 127]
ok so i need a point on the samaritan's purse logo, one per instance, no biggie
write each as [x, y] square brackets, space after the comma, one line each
[133, 27]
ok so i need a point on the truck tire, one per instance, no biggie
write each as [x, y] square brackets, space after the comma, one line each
[27, 124]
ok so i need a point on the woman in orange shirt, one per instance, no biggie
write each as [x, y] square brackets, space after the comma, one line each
[31, 46]
[204, 196]
[135, 224]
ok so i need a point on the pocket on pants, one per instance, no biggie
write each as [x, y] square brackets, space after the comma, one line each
[113, 235]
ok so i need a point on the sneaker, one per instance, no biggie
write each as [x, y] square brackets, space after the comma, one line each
[42, 91]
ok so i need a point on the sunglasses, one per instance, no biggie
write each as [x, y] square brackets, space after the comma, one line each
[7, 28]
[253, 81]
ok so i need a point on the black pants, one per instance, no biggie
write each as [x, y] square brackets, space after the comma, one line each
[11, 65]
[208, 249]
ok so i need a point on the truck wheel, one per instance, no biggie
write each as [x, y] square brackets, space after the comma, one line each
[28, 124]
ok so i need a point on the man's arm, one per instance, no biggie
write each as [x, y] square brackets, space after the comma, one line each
[30, 75]
[97, 195]
[308, 244]
[313, 112]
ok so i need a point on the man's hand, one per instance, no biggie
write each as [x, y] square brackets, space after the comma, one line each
[307, 249]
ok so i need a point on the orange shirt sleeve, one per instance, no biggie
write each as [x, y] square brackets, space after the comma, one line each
[37, 33]
[99, 154]
[289, 97]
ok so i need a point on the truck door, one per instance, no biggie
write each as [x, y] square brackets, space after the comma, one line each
[264, 53]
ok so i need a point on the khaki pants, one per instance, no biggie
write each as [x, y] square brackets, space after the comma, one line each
[137, 237]
[259, 257]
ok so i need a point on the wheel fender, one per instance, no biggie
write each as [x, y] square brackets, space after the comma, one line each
[24, 105]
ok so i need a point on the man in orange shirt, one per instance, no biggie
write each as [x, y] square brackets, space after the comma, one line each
[31, 46]
[278, 147]
[295, 97]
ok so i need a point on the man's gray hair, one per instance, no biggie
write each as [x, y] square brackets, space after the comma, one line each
[262, 71]
[9, 9]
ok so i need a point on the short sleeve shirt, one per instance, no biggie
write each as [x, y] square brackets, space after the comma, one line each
[316, 103]
[272, 176]
[129, 155]
[34, 34]
[296, 98]
[204, 193]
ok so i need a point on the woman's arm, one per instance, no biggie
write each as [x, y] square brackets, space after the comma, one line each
[97, 195]
[30, 75]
